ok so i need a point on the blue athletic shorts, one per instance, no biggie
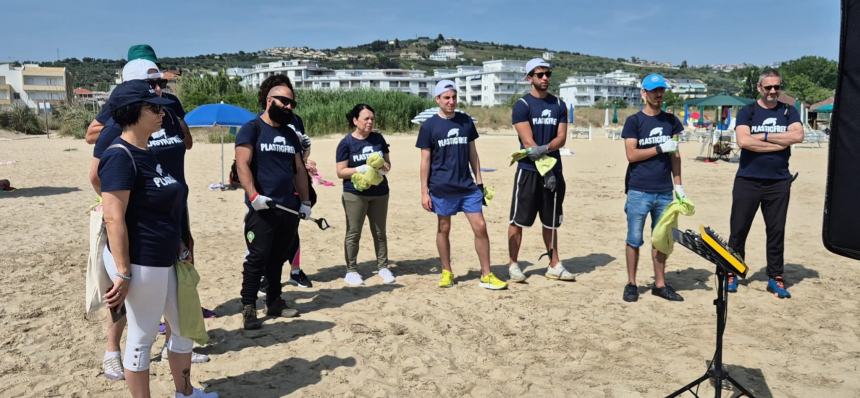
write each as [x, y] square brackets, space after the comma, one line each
[466, 203]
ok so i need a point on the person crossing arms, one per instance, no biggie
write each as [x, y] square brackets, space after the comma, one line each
[765, 132]
[540, 120]
[447, 143]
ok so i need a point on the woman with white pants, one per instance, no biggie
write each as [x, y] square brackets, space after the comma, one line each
[143, 206]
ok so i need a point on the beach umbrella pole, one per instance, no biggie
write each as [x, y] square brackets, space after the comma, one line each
[222, 161]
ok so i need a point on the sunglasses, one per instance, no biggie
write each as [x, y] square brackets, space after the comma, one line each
[540, 75]
[153, 83]
[286, 101]
[776, 87]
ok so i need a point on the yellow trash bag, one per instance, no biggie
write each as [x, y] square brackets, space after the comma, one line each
[661, 237]
[375, 161]
[190, 316]
[544, 164]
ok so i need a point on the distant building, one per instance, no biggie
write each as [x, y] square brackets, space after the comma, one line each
[32, 84]
[589, 90]
[548, 55]
[493, 83]
[689, 88]
[310, 75]
[445, 53]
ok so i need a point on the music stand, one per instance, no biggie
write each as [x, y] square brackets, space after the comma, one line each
[710, 246]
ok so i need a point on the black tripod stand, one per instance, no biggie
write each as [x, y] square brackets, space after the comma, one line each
[716, 370]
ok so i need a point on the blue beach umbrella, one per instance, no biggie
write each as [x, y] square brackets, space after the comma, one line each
[686, 113]
[211, 115]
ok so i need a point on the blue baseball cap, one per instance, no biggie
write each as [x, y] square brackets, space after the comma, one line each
[654, 81]
[134, 91]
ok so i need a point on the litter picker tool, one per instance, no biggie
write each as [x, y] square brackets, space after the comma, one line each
[552, 239]
[321, 222]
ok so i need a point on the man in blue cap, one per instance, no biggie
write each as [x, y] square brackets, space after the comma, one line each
[652, 175]
[540, 120]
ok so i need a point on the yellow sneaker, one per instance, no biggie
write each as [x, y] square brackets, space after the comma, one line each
[490, 281]
[447, 279]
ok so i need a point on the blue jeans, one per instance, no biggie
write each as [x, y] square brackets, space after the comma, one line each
[637, 207]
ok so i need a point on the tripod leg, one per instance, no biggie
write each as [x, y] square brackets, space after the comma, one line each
[689, 387]
[739, 387]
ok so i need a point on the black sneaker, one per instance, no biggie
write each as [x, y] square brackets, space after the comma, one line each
[631, 293]
[279, 308]
[667, 293]
[249, 317]
[300, 279]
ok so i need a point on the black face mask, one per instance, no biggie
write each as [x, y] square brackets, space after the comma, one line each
[282, 116]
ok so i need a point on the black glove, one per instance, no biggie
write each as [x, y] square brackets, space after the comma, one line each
[306, 142]
[536, 152]
[483, 195]
[549, 181]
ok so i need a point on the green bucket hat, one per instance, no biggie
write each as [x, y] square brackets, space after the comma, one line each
[141, 51]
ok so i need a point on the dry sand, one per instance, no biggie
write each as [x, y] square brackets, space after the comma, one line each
[412, 339]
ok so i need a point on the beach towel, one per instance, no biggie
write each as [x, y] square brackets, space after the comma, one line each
[98, 281]
[544, 164]
[190, 317]
[661, 237]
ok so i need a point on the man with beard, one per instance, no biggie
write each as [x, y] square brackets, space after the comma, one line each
[540, 120]
[765, 132]
[654, 171]
[271, 170]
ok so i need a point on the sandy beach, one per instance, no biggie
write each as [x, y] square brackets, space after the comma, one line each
[539, 339]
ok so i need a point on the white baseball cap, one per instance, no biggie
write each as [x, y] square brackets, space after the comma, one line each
[139, 69]
[534, 63]
[443, 86]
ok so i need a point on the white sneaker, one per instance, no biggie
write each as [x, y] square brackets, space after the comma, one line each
[354, 279]
[559, 273]
[195, 357]
[386, 275]
[112, 366]
[196, 393]
[516, 274]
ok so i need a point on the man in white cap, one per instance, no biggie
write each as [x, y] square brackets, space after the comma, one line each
[447, 143]
[540, 120]
[653, 174]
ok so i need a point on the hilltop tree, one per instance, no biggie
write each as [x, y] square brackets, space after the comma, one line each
[820, 71]
[440, 38]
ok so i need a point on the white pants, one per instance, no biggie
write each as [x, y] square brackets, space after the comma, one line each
[151, 295]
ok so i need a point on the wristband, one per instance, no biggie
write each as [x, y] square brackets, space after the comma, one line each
[659, 150]
[254, 196]
[765, 136]
[306, 203]
[123, 277]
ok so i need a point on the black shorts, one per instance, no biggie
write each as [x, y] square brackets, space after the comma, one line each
[530, 198]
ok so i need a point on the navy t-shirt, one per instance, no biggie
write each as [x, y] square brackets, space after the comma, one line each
[167, 144]
[155, 203]
[105, 113]
[544, 115]
[448, 141]
[766, 165]
[357, 151]
[273, 160]
[655, 173]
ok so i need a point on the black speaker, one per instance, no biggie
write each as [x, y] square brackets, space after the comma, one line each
[841, 232]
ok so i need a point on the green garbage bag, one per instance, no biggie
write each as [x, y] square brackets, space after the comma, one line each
[661, 237]
[190, 317]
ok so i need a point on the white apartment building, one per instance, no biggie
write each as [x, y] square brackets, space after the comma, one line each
[589, 90]
[689, 88]
[493, 83]
[309, 75]
[445, 53]
[31, 85]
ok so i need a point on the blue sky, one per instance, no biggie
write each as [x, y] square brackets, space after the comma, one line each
[726, 31]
